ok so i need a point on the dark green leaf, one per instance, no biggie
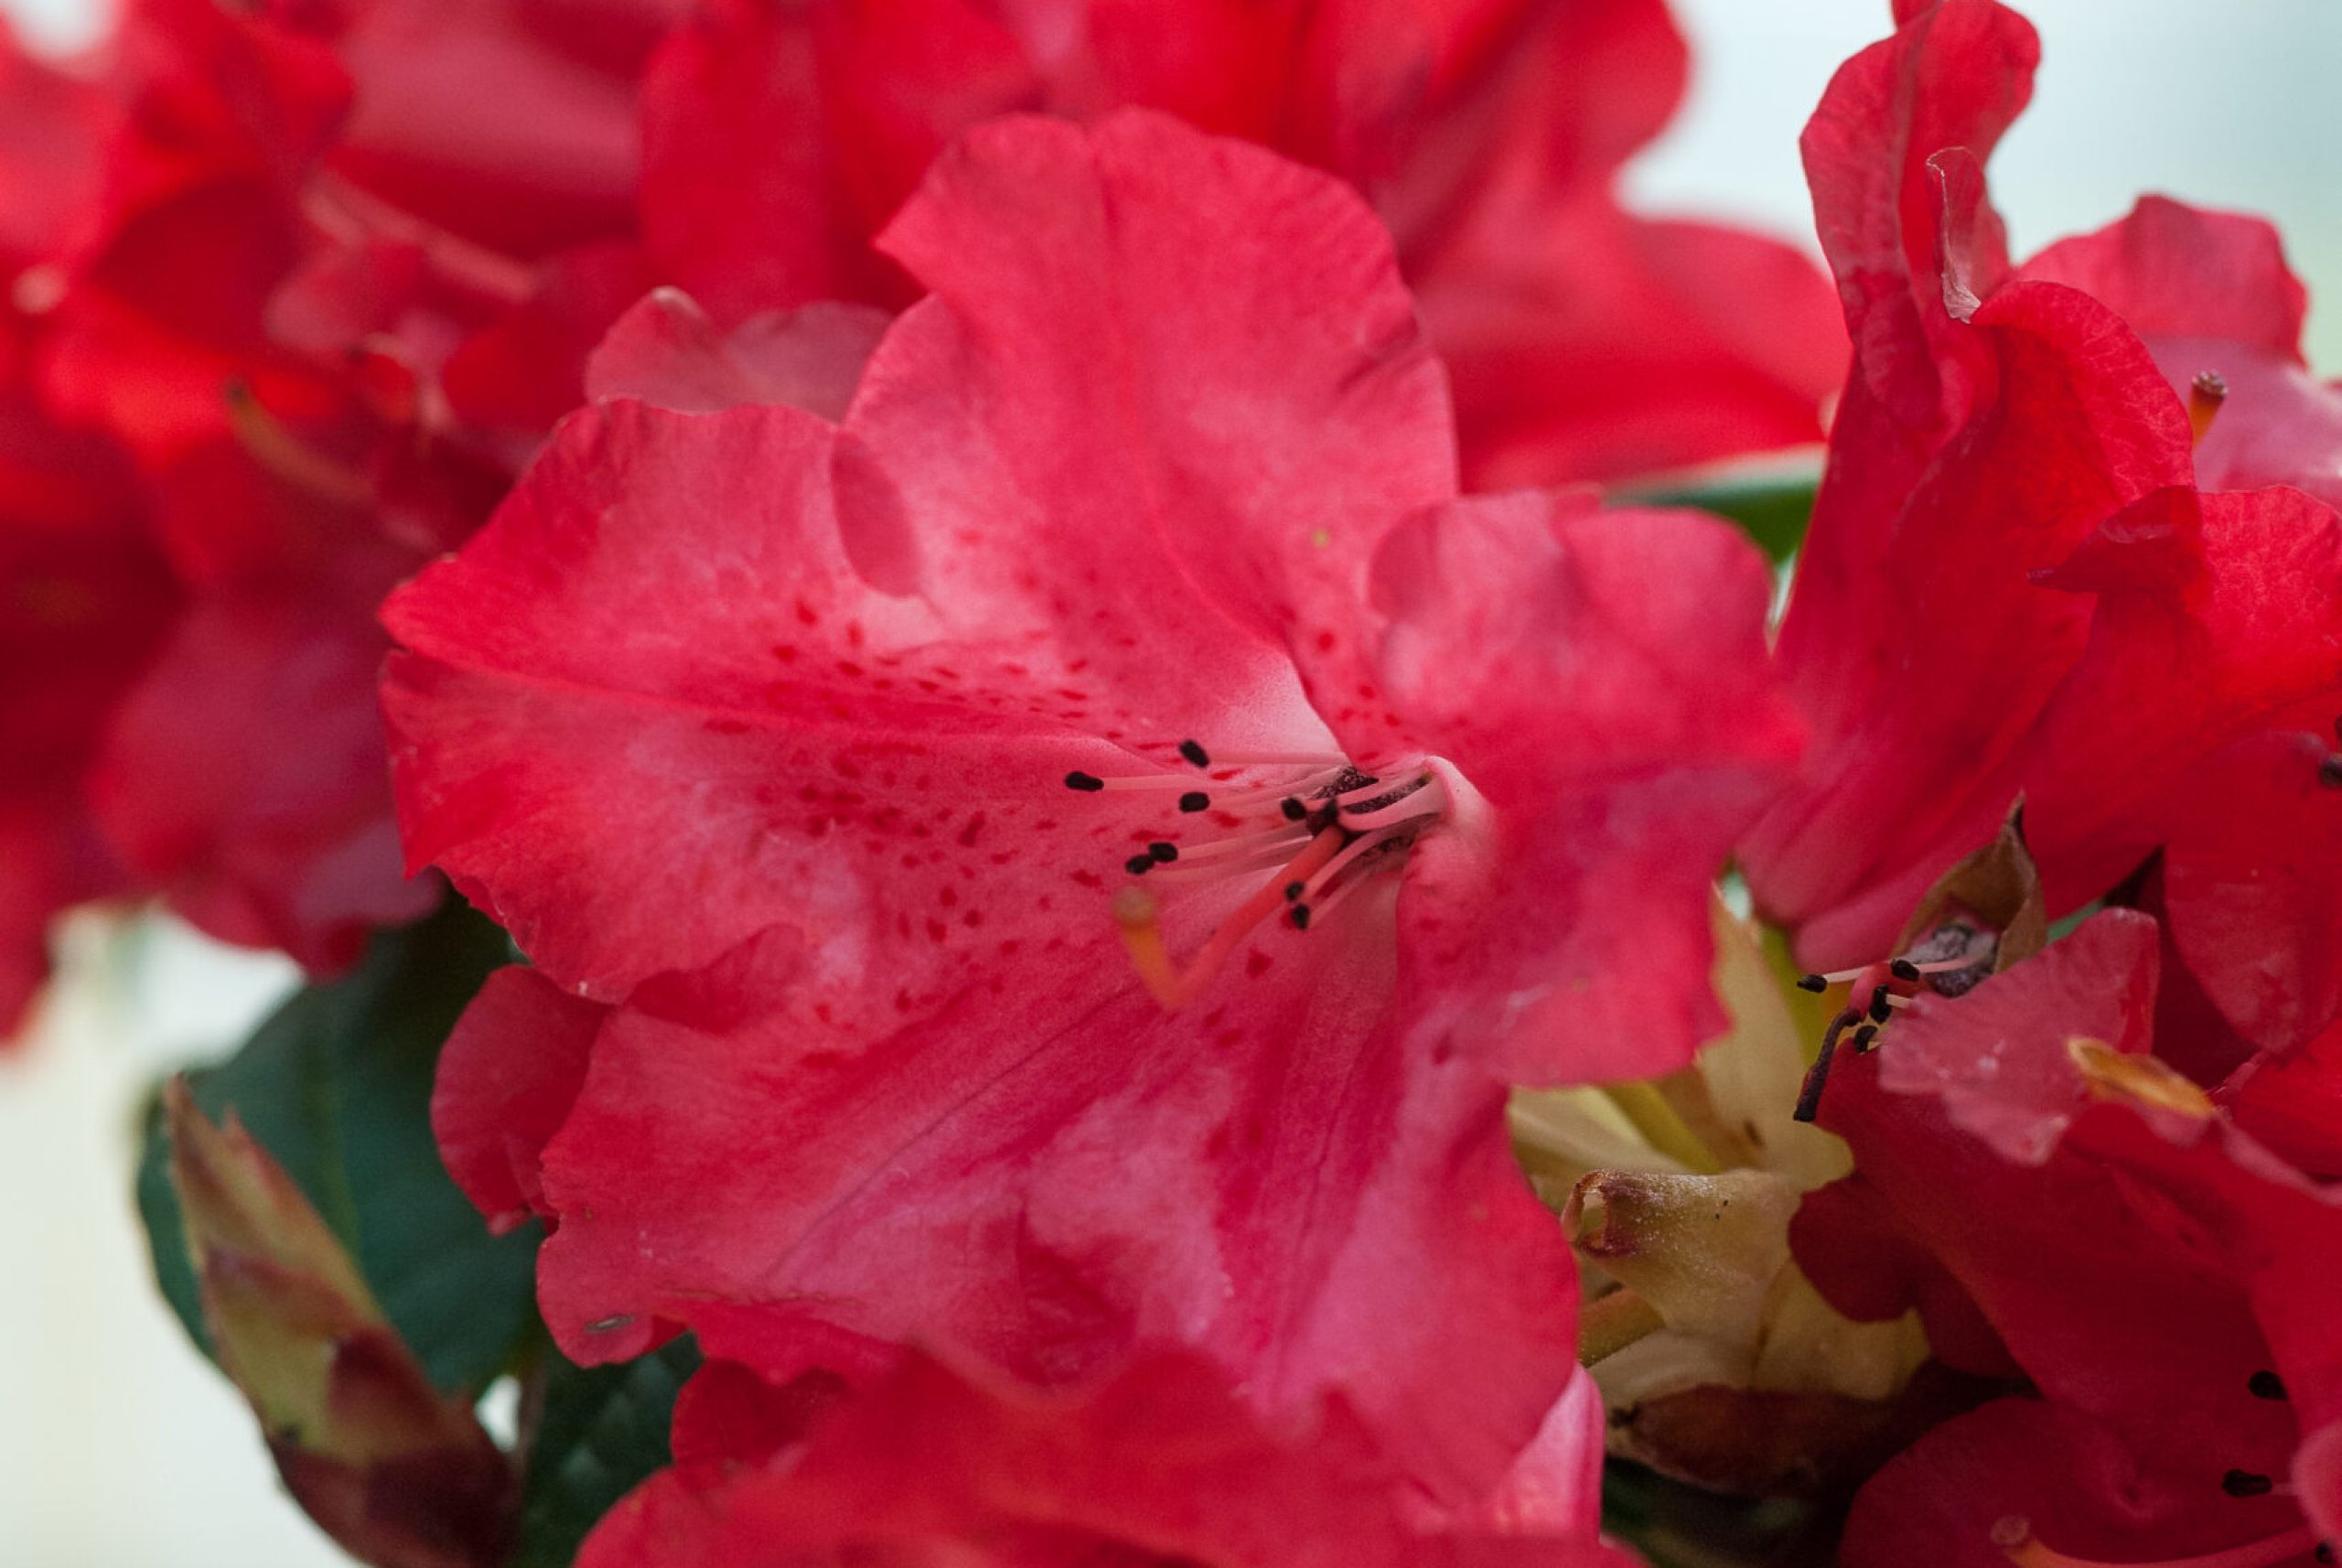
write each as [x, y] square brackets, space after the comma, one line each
[337, 1086]
[1675, 1525]
[604, 1430]
[1771, 509]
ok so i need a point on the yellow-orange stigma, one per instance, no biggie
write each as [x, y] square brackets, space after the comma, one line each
[2016, 1540]
[2205, 394]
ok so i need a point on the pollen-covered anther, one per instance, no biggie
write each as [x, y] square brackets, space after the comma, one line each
[2014, 1535]
[2205, 394]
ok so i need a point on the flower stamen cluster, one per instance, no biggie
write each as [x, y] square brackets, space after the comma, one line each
[1321, 827]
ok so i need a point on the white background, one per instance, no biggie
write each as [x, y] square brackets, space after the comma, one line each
[120, 1449]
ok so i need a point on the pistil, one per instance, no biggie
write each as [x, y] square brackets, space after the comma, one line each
[1137, 913]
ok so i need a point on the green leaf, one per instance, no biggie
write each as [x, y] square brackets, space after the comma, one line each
[603, 1432]
[336, 1086]
[1676, 1525]
[1771, 509]
[2060, 929]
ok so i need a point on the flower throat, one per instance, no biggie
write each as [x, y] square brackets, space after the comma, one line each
[1318, 826]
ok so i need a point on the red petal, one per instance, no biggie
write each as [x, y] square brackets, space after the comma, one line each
[259, 840]
[2080, 1486]
[2175, 271]
[2140, 1261]
[2210, 291]
[775, 143]
[512, 124]
[1952, 76]
[548, 627]
[506, 1081]
[2295, 1105]
[527, 368]
[52, 125]
[1310, 1211]
[1575, 665]
[1186, 365]
[1585, 344]
[2250, 898]
[666, 350]
[2214, 612]
[1161, 1460]
[1917, 637]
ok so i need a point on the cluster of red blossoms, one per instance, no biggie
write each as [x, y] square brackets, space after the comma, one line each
[966, 581]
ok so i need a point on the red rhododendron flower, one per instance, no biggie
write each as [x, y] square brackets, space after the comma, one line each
[82, 589]
[2160, 1276]
[319, 276]
[2251, 840]
[341, 264]
[2210, 292]
[2013, 585]
[1054, 907]
[1161, 1463]
[1584, 343]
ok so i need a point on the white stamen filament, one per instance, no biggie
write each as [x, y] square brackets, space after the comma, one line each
[1428, 801]
[1246, 844]
[1375, 789]
[1364, 844]
[1183, 782]
[1325, 760]
[1180, 871]
[1946, 965]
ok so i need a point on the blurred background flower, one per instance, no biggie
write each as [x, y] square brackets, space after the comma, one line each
[118, 1446]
